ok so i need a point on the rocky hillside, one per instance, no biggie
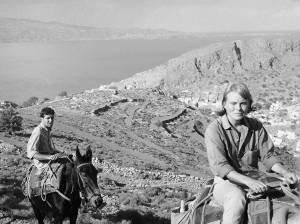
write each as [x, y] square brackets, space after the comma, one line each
[271, 67]
[148, 147]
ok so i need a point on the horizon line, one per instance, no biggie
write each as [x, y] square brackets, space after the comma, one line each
[160, 29]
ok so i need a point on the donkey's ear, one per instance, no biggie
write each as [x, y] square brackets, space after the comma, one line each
[78, 155]
[89, 153]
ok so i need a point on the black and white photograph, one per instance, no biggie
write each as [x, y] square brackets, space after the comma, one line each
[141, 112]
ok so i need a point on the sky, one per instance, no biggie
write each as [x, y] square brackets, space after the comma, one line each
[180, 15]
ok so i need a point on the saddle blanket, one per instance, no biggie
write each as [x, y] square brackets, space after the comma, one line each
[37, 183]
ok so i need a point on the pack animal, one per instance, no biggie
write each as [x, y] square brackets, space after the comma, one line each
[279, 205]
[78, 185]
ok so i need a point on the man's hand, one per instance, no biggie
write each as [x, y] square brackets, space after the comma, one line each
[257, 186]
[290, 177]
[58, 156]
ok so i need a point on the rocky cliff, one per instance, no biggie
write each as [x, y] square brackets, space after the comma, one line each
[201, 75]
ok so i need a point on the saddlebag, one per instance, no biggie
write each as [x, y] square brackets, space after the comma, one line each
[41, 183]
[197, 211]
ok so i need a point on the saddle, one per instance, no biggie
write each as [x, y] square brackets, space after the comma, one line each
[37, 183]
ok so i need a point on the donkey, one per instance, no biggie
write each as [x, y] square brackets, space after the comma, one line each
[78, 185]
[284, 205]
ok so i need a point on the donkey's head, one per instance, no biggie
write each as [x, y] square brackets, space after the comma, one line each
[87, 178]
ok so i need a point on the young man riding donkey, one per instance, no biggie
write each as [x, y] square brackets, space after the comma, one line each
[40, 147]
[56, 183]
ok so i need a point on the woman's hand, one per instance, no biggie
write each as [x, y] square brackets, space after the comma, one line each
[257, 186]
[254, 185]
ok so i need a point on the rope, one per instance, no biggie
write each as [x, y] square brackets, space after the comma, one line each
[26, 182]
[204, 201]
[49, 176]
[268, 209]
[43, 182]
[210, 193]
[62, 195]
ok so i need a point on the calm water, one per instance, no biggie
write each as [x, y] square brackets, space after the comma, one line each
[46, 69]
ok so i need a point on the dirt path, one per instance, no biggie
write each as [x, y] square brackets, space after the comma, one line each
[141, 140]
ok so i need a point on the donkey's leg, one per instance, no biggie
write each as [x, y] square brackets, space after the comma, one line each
[39, 216]
[73, 216]
[57, 220]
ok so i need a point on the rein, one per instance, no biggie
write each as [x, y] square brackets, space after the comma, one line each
[282, 187]
[83, 164]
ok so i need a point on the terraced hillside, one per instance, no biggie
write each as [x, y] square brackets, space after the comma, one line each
[141, 140]
[141, 127]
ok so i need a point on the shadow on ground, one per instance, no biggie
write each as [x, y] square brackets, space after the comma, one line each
[135, 217]
[13, 204]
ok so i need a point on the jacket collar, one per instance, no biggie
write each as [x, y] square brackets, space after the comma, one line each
[44, 128]
[227, 126]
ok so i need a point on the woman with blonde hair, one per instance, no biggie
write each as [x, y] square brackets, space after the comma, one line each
[235, 144]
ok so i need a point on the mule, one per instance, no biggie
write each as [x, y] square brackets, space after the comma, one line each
[78, 185]
[284, 198]
[284, 205]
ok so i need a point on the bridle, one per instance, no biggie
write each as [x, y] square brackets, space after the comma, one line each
[87, 188]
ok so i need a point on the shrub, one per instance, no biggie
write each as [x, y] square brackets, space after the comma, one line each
[6, 104]
[10, 120]
[151, 166]
[113, 87]
[45, 99]
[30, 102]
[159, 200]
[256, 106]
[63, 94]
[152, 191]
[283, 113]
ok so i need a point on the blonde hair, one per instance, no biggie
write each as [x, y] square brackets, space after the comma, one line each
[239, 88]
